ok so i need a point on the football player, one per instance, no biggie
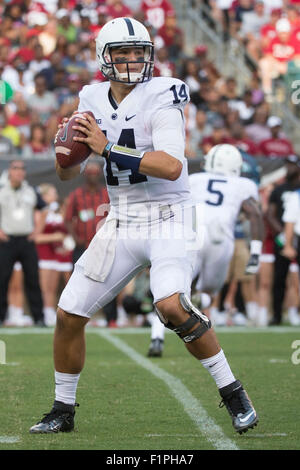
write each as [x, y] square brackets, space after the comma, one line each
[139, 131]
[220, 194]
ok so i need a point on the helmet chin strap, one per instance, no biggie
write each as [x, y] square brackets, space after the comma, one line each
[134, 77]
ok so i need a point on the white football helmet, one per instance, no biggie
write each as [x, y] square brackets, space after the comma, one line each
[124, 32]
[224, 159]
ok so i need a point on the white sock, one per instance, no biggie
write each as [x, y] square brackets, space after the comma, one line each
[65, 387]
[251, 310]
[262, 317]
[14, 311]
[219, 369]
[157, 328]
[292, 311]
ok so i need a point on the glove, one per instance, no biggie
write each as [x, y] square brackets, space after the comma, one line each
[252, 265]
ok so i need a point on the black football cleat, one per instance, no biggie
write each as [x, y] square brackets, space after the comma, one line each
[239, 406]
[156, 348]
[60, 419]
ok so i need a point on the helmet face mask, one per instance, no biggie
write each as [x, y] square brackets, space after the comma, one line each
[125, 33]
[224, 159]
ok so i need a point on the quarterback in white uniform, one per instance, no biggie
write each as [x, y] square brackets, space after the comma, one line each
[139, 130]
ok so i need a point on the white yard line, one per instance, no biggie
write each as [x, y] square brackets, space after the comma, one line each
[206, 425]
[9, 439]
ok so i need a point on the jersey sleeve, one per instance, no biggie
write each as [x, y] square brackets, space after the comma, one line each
[249, 189]
[166, 93]
[168, 97]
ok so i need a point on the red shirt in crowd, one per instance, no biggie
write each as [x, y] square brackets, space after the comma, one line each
[209, 142]
[268, 33]
[279, 147]
[283, 52]
[156, 11]
[247, 145]
[118, 11]
[81, 210]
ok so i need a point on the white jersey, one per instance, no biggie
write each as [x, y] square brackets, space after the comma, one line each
[219, 199]
[149, 118]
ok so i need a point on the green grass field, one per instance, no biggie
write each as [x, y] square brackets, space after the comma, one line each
[129, 402]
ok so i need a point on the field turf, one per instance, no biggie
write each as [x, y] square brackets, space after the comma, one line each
[130, 402]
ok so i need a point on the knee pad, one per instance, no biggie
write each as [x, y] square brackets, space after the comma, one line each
[196, 318]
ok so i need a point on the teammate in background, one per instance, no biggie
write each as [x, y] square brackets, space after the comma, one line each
[150, 222]
[221, 195]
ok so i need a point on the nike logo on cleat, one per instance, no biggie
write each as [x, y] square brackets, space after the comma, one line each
[242, 420]
[130, 117]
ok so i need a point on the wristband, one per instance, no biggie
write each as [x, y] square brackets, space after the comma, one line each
[256, 247]
[126, 158]
[106, 150]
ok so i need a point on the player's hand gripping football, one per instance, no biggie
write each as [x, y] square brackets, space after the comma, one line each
[252, 265]
[95, 138]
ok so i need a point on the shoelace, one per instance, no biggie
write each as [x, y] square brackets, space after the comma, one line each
[235, 402]
[54, 413]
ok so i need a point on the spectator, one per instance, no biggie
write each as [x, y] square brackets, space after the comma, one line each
[276, 145]
[43, 102]
[9, 133]
[81, 215]
[18, 202]
[190, 74]
[241, 8]
[229, 90]
[278, 200]
[221, 12]
[73, 63]
[291, 250]
[48, 37]
[52, 234]
[218, 136]
[245, 107]
[241, 140]
[17, 75]
[283, 48]
[258, 129]
[252, 22]
[196, 135]
[163, 66]
[21, 118]
[37, 146]
[156, 11]
[116, 9]
[65, 27]
[39, 62]
[69, 94]
[268, 31]
[172, 36]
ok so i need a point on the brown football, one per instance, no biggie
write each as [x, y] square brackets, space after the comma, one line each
[69, 152]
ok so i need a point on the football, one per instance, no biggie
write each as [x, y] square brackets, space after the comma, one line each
[68, 152]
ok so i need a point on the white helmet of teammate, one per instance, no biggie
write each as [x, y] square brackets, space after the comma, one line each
[224, 159]
[124, 32]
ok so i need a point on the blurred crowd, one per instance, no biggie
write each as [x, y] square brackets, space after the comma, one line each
[270, 31]
[47, 54]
